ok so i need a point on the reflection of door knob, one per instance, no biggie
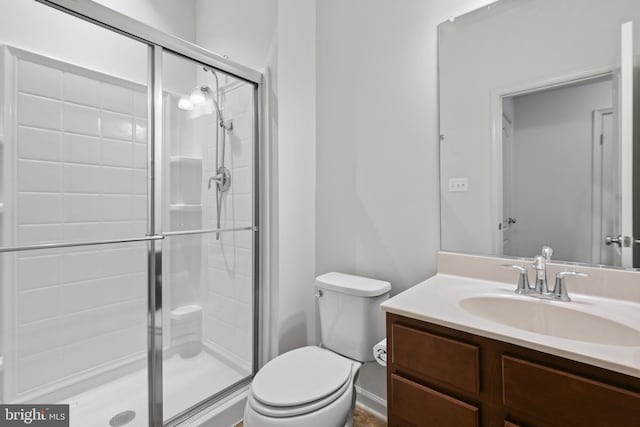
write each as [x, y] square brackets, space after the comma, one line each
[511, 221]
[620, 241]
[608, 240]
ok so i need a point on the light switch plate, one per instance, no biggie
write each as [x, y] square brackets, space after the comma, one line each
[458, 184]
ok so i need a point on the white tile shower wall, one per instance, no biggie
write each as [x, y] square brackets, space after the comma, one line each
[81, 149]
[80, 175]
[228, 307]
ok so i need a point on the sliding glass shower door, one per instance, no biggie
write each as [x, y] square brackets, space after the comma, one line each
[73, 216]
[128, 222]
[208, 144]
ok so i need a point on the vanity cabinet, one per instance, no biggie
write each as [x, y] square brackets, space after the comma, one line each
[442, 377]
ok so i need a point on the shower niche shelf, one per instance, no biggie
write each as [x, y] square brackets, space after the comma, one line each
[186, 183]
[185, 207]
[186, 161]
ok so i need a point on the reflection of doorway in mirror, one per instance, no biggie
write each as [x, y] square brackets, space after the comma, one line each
[556, 184]
[606, 191]
[508, 219]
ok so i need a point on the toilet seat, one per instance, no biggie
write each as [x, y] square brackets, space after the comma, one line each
[300, 381]
[293, 411]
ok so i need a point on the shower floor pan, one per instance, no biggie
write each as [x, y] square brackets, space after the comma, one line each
[187, 382]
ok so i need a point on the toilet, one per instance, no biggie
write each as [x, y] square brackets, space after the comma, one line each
[315, 386]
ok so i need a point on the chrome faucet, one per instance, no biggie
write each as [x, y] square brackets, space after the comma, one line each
[541, 287]
[560, 289]
[540, 265]
[523, 279]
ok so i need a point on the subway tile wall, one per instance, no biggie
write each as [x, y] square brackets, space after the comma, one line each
[81, 162]
[80, 165]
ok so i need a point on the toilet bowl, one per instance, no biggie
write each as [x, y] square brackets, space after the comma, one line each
[309, 386]
[314, 386]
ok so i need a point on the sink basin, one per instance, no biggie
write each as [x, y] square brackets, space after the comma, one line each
[552, 319]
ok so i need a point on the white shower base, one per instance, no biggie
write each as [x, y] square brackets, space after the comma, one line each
[187, 382]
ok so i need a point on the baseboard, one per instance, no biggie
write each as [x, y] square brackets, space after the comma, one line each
[371, 402]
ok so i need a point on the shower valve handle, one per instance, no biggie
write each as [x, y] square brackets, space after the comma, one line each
[222, 179]
[216, 178]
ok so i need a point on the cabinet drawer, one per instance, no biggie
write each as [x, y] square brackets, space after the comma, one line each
[424, 407]
[562, 399]
[434, 357]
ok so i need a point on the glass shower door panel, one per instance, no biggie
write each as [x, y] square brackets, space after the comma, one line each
[73, 132]
[74, 329]
[73, 172]
[208, 320]
[208, 147]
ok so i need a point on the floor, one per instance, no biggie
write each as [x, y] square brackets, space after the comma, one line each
[187, 382]
[361, 418]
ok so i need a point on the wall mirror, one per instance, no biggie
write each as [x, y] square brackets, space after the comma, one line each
[537, 130]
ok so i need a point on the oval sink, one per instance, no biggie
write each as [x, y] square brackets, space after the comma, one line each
[543, 317]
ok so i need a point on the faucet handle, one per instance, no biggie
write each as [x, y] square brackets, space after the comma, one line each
[560, 288]
[523, 280]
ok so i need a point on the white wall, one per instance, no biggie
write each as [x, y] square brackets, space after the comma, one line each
[552, 170]
[296, 172]
[175, 17]
[377, 148]
[377, 190]
[241, 29]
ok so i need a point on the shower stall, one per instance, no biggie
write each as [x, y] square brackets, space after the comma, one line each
[128, 218]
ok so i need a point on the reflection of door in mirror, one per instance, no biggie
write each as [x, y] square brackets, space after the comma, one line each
[509, 220]
[606, 192]
[560, 189]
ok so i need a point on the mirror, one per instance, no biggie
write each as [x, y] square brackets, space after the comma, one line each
[536, 131]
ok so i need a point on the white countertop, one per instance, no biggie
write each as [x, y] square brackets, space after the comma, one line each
[437, 300]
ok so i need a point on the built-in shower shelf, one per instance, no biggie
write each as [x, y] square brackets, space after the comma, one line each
[186, 161]
[184, 207]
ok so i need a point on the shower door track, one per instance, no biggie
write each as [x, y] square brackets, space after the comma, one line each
[159, 42]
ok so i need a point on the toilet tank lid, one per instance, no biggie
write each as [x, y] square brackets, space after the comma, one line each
[352, 285]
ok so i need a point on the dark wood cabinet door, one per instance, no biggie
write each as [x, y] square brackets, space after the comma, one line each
[433, 357]
[558, 398]
[419, 406]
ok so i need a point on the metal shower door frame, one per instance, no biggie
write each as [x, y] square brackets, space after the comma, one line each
[159, 42]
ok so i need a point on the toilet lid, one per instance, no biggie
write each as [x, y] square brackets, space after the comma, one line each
[300, 376]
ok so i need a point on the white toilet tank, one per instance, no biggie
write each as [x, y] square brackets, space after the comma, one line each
[351, 320]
